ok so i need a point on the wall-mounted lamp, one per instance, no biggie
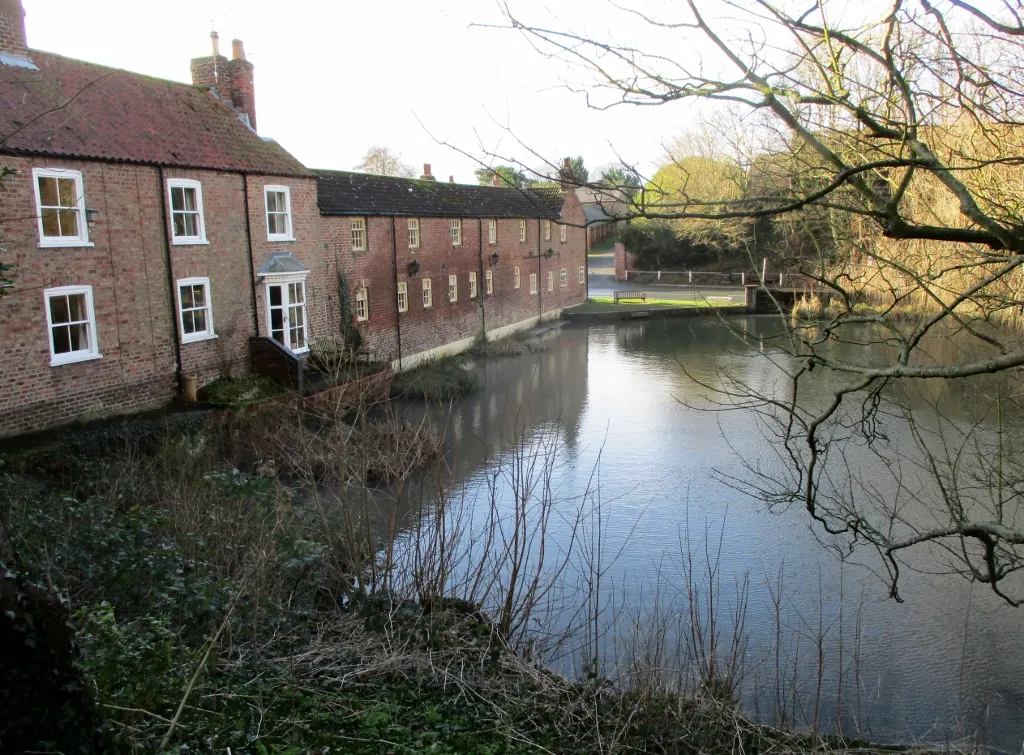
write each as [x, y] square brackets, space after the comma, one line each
[414, 267]
[549, 253]
[91, 215]
[494, 259]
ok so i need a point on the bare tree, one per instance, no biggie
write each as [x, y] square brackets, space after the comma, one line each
[897, 128]
[383, 161]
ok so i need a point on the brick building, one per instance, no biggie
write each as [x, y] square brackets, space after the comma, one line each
[154, 234]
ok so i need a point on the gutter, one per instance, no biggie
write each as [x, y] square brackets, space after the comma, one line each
[394, 272]
[175, 315]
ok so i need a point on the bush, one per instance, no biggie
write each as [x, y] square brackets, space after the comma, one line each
[444, 379]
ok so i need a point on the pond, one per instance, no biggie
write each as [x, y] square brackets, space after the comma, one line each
[821, 639]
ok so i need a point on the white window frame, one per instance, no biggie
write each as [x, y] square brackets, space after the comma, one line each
[547, 230]
[284, 280]
[362, 298]
[453, 289]
[209, 332]
[522, 230]
[563, 232]
[492, 231]
[428, 294]
[187, 183]
[289, 234]
[551, 280]
[472, 285]
[533, 283]
[414, 233]
[82, 239]
[362, 231]
[519, 278]
[403, 296]
[489, 281]
[82, 355]
[456, 231]
[563, 278]
[583, 274]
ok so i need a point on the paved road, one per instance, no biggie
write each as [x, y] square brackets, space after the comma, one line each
[606, 285]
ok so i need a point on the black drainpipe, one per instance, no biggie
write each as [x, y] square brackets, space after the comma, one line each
[481, 286]
[175, 316]
[252, 262]
[586, 258]
[398, 315]
[540, 283]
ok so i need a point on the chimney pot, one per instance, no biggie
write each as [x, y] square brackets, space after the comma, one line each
[496, 179]
[237, 50]
[215, 39]
[567, 162]
[427, 175]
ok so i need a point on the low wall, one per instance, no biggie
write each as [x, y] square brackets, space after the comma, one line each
[370, 389]
[268, 357]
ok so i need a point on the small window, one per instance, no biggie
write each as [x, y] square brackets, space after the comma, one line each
[489, 281]
[522, 230]
[453, 288]
[279, 213]
[71, 324]
[456, 232]
[547, 230]
[414, 233]
[472, 285]
[362, 304]
[358, 234]
[563, 278]
[403, 296]
[428, 294]
[195, 309]
[583, 274]
[551, 280]
[492, 231]
[61, 204]
[563, 233]
[187, 223]
[519, 280]
[533, 283]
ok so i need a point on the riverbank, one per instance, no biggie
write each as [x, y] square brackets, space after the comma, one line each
[215, 606]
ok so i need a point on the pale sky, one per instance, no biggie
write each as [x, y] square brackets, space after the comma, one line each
[334, 78]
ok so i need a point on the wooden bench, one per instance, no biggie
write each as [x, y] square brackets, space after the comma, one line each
[624, 295]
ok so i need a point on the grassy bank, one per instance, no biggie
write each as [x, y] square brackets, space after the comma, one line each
[442, 379]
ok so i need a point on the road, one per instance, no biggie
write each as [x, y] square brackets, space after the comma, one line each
[603, 283]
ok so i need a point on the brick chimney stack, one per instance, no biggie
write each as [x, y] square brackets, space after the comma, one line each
[496, 179]
[427, 175]
[451, 179]
[232, 80]
[12, 30]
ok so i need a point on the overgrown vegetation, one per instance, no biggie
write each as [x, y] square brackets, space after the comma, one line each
[442, 379]
[506, 347]
[243, 391]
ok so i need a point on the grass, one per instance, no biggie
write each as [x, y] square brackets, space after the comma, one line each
[506, 347]
[443, 379]
[238, 391]
[603, 248]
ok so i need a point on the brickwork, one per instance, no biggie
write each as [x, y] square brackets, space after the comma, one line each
[12, 28]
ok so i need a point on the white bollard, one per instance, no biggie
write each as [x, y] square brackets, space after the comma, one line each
[690, 273]
[659, 275]
[743, 279]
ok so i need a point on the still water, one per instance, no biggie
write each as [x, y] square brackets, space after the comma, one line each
[948, 663]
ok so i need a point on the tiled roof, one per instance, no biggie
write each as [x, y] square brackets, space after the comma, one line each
[76, 109]
[281, 263]
[345, 193]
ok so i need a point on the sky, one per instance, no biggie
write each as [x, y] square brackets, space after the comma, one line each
[336, 77]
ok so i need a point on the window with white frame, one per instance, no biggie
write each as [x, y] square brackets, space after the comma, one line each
[583, 274]
[533, 283]
[519, 279]
[563, 233]
[414, 233]
[195, 309]
[61, 203]
[403, 296]
[286, 311]
[428, 294]
[362, 304]
[551, 280]
[547, 230]
[358, 234]
[489, 281]
[472, 285]
[71, 324]
[279, 213]
[187, 223]
[563, 278]
[453, 288]
[456, 227]
[522, 230]
[492, 231]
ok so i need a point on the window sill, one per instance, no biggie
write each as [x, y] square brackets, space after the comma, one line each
[192, 338]
[69, 244]
[57, 361]
[280, 238]
[189, 242]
